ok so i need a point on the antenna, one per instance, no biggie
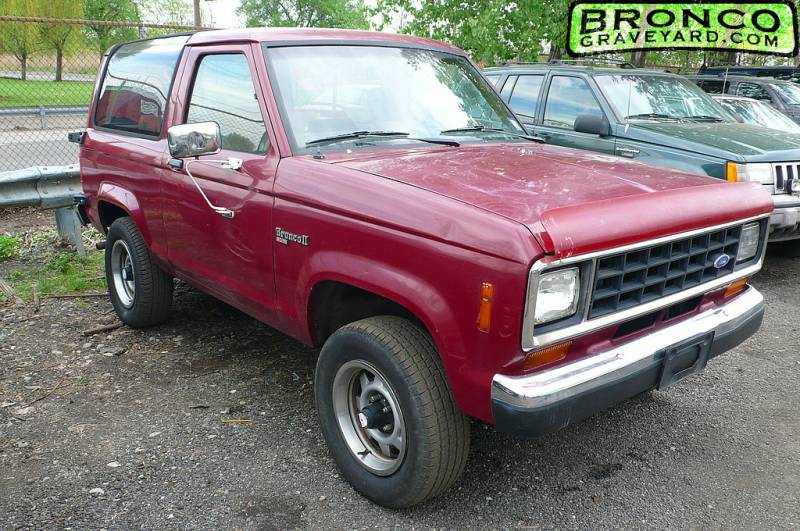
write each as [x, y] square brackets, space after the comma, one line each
[725, 81]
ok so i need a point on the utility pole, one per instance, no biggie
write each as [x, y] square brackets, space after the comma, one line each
[197, 19]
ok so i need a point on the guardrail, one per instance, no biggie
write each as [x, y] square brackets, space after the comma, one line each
[47, 187]
[42, 111]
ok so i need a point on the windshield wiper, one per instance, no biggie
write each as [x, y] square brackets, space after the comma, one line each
[652, 115]
[355, 135]
[704, 117]
[485, 129]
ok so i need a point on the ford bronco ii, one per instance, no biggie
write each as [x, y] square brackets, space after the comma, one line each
[371, 194]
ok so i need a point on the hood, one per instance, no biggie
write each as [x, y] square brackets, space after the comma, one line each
[752, 143]
[527, 182]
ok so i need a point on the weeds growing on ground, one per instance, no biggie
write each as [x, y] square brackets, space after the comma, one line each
[9, 247]
[42, 262]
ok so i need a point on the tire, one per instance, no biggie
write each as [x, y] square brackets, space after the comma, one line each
[146, 299]
[435, 432]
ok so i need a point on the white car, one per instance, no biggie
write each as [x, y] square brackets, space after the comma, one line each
[751, 111]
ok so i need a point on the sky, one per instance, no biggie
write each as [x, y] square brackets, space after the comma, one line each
[223, 13]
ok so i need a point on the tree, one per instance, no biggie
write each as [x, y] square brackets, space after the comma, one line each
[104, 36]
[491, 30]
[59, 36]
[19, 38]
[305, 13]
[177, 12]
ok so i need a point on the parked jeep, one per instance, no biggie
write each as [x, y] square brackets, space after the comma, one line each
[654, 117]
[448, 265]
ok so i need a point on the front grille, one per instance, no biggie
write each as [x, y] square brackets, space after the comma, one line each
[636, 277]
[785, 173]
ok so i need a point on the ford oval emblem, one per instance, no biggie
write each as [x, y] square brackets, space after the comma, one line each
[721, 261]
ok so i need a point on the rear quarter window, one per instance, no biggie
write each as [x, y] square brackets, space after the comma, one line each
[135, 86]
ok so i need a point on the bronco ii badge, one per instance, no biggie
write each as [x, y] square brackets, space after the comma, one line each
[284, 237]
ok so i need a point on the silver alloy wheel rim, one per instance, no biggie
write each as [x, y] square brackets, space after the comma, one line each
[356, 385]
[122, 273]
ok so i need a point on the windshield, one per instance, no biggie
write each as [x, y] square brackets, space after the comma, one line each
[758, 113]
[640, 97]
[789, 92]
[401, 93]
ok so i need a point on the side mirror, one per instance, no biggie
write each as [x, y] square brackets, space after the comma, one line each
[594, 124]
[192, 140]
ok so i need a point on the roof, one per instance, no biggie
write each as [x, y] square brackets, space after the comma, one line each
[732, 97]
[736, 77]
[572, 68]
[318, 36]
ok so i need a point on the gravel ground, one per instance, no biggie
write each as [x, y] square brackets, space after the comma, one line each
[136, 429]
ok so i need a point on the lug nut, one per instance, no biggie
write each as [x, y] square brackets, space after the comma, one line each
[387, 427]
[373, 399]
[386, 409]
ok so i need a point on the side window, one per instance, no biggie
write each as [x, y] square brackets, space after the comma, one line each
[137, 79]
[751, 90]
[223, 92]
[567, 98]
[492, 79]
[525, 97]
[712, 87]
[508, 87]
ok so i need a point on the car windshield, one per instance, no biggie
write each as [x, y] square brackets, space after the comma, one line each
[758, 113]
[789, 92]
[654, 97]
[369, 95]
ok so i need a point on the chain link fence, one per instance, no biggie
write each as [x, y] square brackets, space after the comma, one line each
[47, 73]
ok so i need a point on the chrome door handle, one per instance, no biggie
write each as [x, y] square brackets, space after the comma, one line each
[627, 152]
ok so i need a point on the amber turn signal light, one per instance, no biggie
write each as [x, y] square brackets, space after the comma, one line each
[731, 173]
[736, 287]
[551, 354]
[485, 308]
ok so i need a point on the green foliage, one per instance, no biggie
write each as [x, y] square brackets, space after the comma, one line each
[21, 39]
[18, 93]
[491, 30]
[104, 37]
[305, 13]
[177, 12]
[9, 247]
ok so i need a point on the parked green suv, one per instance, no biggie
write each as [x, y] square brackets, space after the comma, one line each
[654, 117]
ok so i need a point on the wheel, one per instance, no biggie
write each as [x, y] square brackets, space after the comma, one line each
[141, 292]
[387, 413]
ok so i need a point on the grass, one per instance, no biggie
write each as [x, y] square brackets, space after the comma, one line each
[18, 93]
[42, 263]
[9, 248]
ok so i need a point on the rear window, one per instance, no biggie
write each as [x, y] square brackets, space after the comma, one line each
[136, 83]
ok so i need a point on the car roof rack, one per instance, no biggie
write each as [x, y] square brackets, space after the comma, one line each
[610, 62]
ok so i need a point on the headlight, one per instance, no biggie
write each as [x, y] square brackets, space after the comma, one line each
[756, 172]
[748, 242]
[557, 296]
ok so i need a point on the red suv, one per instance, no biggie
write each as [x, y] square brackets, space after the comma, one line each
[370, 194]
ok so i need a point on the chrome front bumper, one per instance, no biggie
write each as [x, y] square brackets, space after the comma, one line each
[784, 222]
[551, 399]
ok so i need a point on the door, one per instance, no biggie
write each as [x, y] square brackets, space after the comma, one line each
[567, 98]
[524, 100]
[230, 257]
